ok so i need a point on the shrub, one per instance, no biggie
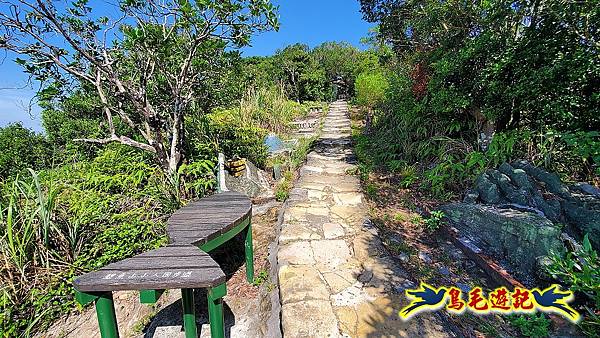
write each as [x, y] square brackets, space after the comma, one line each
[221, 132]
[434, 221]
[371, 88]
[75, 218]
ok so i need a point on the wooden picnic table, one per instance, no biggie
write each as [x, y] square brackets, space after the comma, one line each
[185, 264]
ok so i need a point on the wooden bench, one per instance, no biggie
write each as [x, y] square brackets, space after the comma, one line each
[184, 264]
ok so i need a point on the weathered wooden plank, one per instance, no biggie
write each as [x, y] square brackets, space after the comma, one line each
[174, 251]
[157, 263]
[194, 224]
[217, 209]
[168, 278]
[206, 219]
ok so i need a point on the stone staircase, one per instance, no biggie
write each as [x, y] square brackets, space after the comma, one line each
[336, 278]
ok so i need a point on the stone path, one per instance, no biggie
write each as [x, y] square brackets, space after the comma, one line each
[336, 278]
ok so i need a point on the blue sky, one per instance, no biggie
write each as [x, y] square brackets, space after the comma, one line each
[307, 21]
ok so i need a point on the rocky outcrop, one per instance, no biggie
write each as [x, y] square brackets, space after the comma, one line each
[515, 237]
[527, 188]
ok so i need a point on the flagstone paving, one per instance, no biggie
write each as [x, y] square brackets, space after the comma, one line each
[336, 278]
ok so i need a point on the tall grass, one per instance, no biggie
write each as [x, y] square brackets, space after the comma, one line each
[269, 108]
[71, 219]
[27, 225]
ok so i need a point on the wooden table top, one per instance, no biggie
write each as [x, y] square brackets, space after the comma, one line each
[171, 267]
[208, 218]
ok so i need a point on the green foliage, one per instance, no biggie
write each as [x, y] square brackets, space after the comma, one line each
[269, 108]
[300, 152]
[371, 190]
[301, 76]
[586, 145]
[531, 325]
[21, 148]
[282, 190]
[223, 132]
[463, 70]
[434, 221]
[342, 63]
[261, 277]
[579, 269]
[371, 89]
[64, 221]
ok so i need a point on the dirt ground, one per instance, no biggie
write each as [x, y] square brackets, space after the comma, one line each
[429, 256]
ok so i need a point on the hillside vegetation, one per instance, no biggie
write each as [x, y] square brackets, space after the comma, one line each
[72, 200]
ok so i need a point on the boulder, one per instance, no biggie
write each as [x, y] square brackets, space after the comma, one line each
[515, 237]
[549, 180]
[523, 186]
[487, 190]
[253, 182]
[585, 219]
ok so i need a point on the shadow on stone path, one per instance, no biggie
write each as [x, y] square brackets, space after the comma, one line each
[336, 278]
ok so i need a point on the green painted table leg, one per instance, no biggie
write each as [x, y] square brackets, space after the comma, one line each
[107, 320]
[249, 254]
[215, 310]
[150, 296]
[189, 313]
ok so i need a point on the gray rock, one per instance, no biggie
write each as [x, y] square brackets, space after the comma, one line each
[549, 180]
[569, 242]
[514, 236]
[585, 217]
[403, 257]
[512, 193]
[444, 271]
[471, 196]
[519, 176]
[550, 208]
[506, 169]
[488, 191]
[253, 182]
[463, 287]
[523, 184]
[424, 257]
[587, 189]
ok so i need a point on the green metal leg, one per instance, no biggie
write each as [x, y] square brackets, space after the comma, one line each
[189, 313]
[150, 296]
[107, 320]
[249, 254]
[215, 311]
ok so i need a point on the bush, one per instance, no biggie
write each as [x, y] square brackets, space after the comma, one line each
[222, 132]
[536, 326]
[371, 88]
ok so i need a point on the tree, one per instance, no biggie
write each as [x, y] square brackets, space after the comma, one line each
[145, 65]
[497, 65]
[21, 148]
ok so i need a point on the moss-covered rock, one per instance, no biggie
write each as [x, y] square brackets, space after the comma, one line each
[515, 237]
